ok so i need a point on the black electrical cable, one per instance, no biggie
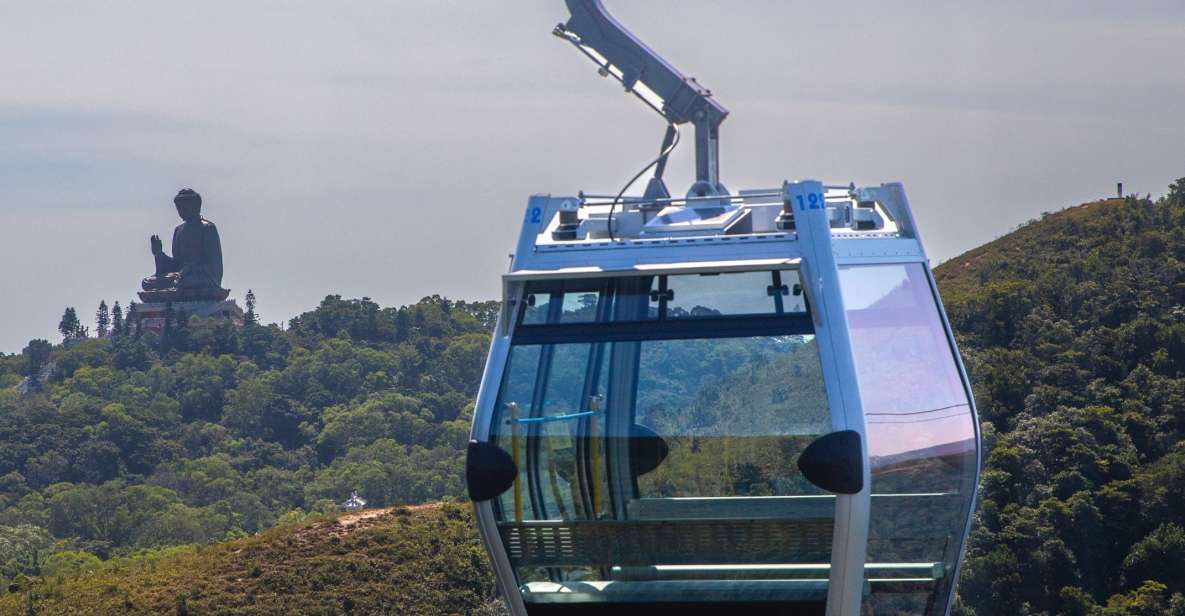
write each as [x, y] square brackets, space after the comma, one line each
[617, 199]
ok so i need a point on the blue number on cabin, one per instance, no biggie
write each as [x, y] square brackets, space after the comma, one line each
[814, 199]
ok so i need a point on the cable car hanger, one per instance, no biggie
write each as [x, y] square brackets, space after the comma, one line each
[719, 401]
[677, 98]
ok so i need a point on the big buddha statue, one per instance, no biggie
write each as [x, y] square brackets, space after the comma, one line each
[194, 271]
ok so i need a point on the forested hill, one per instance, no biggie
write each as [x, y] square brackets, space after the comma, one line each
[214, 432]
[1073, 328]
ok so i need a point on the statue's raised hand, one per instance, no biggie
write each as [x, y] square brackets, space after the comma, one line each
[157, 247]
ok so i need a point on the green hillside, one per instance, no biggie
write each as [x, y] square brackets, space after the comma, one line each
[1073, 328]
[424, 560]
[209, 432]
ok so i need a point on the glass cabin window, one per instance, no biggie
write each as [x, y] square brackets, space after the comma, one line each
[663, 297]
[712, 295]
[660, 459]
[921, 436]
[565, 302]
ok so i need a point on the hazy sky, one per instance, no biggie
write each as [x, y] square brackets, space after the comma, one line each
[386, 149]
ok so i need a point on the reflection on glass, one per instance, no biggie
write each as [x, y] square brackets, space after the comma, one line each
[921, 437]
[714, 295]
[573, 306]
[733, 416]
[663, 297]
[664, 460]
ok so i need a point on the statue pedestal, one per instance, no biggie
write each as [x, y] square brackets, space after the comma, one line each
[151, 315]
[165, 296]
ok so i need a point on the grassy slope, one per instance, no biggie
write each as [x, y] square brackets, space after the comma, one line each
[962, 273]
[422, 560]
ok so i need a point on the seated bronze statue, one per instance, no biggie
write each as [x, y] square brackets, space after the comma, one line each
[194, 272]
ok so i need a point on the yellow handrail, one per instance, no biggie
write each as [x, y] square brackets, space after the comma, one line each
[518, 486]
[594, 405]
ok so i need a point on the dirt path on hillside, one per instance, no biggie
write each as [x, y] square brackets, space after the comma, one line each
[354, 517]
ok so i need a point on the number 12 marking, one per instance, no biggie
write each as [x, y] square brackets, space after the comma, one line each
[813, 201]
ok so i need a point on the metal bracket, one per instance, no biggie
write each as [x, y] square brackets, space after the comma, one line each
[681, 99]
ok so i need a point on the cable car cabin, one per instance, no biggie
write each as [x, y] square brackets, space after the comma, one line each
[745, 402]
[724, 403]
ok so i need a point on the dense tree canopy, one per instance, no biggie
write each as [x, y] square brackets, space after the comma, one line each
[1073, 328]
[231, 429]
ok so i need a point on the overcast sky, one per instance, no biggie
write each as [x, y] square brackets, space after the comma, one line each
[386, 149]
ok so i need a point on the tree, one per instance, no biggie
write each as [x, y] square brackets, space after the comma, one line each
[23, 549]
[1158, 557]
[116, 320]
[69, 326]
[133, 320]
[250, 317]
[402, 325]
[102, 319]
[36, 355]
[166, 330]
[1177, 192]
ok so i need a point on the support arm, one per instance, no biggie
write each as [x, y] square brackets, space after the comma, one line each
[592, 28]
